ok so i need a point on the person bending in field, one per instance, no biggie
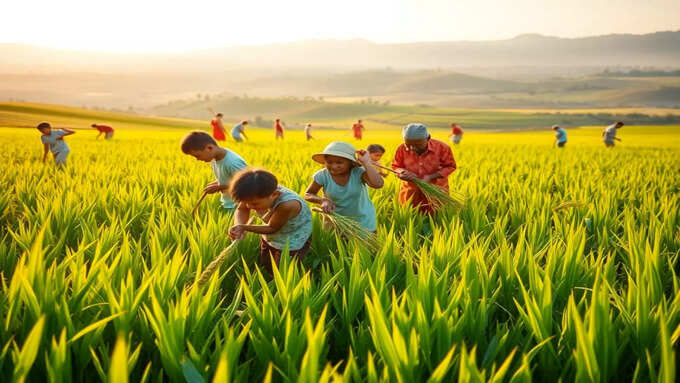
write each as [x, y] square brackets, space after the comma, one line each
[278, 128]
[53, 141]
[288, 219]
[560, 136]
[224, 163]
[106, 130]
[218, 128]
[456, 133]
[421, 157]
[358, 130]
[239, 130]
[609, 134]
[344, 181]
[376, 151]
[308, 132]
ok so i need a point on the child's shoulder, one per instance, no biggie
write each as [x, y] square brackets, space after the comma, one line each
[321, 174]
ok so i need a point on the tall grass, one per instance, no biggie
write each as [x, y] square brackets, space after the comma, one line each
[517, 286]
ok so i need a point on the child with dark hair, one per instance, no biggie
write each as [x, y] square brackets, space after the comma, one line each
[288, 219]
[376, 151]
[224, 163]
[344, 183]
[53, 141]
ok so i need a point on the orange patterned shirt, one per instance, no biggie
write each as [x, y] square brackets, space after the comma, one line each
[438, 157]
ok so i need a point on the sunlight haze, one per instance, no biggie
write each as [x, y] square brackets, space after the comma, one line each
[172, 26]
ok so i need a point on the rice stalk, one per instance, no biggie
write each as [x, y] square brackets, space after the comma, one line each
[348, 228]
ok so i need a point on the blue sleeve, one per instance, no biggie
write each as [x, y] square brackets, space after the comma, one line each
[321, 177]
[236, 163]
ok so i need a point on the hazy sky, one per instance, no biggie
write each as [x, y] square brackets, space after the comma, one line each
[153, 25]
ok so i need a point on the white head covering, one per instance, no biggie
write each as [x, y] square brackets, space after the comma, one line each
[415, 131]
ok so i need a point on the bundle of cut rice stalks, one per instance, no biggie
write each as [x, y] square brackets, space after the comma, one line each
[350, 229]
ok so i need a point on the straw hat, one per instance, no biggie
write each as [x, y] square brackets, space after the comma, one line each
[338, 149]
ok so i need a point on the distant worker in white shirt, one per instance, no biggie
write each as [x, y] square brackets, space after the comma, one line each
[609, 134]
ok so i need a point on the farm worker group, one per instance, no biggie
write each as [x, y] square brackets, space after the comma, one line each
[340, 187]
[344, 178]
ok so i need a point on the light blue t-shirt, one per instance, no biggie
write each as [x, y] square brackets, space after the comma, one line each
[561, 135]
[236, 131]
[297, 230]
[610, 133]
[56, 145]
[350, 200]
[224, 169]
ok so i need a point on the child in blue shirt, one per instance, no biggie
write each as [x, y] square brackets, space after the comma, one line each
[288, 220]
[53, 141]
[224, 163]
[560, 136]
[344, 183]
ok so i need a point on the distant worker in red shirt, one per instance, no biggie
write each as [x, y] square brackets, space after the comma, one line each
[456, 133]
[107, 131]
[278, 127]
[218, 128]
[358, 130]
[421, 157]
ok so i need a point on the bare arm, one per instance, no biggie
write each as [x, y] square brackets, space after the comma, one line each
[327, 204]
[68, 132]
[284, 212]
[371, 176]
[47, 149]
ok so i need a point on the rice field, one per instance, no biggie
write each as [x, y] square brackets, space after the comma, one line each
[562, 265]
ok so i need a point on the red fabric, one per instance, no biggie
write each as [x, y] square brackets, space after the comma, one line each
[438, 157]
[104, 128]
[357, 128]
[278, 127]
[456, 130]
[218, 133]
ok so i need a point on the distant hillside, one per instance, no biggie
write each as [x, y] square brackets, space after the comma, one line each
[661, 49]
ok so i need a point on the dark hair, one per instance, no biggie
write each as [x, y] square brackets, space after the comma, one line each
[219, 115]
[94, 125]
[244, 122]
[196, 140]
[43, 125]
[620, 123]
[375, 148]
[252, 183]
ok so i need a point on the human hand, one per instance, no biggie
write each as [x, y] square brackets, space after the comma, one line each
[212, 187]
[430, 177]
[327, 206]
[237, 232]
[363, 156]
[406, 175]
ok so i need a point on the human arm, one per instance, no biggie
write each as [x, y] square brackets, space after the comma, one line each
[215, 187]
[240, 219]
[243, 132]
[47, 149]
[284, 212]
[99, 135]
[399, 166]
[327, 204]
[67, 131]
[447, 165]
[371, 176]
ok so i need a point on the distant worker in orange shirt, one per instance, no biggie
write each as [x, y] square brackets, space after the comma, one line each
[456, 133]
[217, 128]
[357, 130]
[278, 127]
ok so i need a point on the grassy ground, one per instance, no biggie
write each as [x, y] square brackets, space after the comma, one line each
[562, 265]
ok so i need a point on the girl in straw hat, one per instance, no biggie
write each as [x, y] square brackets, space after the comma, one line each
[343, 179]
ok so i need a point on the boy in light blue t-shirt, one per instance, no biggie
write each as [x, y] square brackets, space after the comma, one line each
[53, 141]
[224, 163]
[344, 183]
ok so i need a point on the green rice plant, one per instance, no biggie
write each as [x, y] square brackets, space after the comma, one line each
[94, 261]
[350, 229]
